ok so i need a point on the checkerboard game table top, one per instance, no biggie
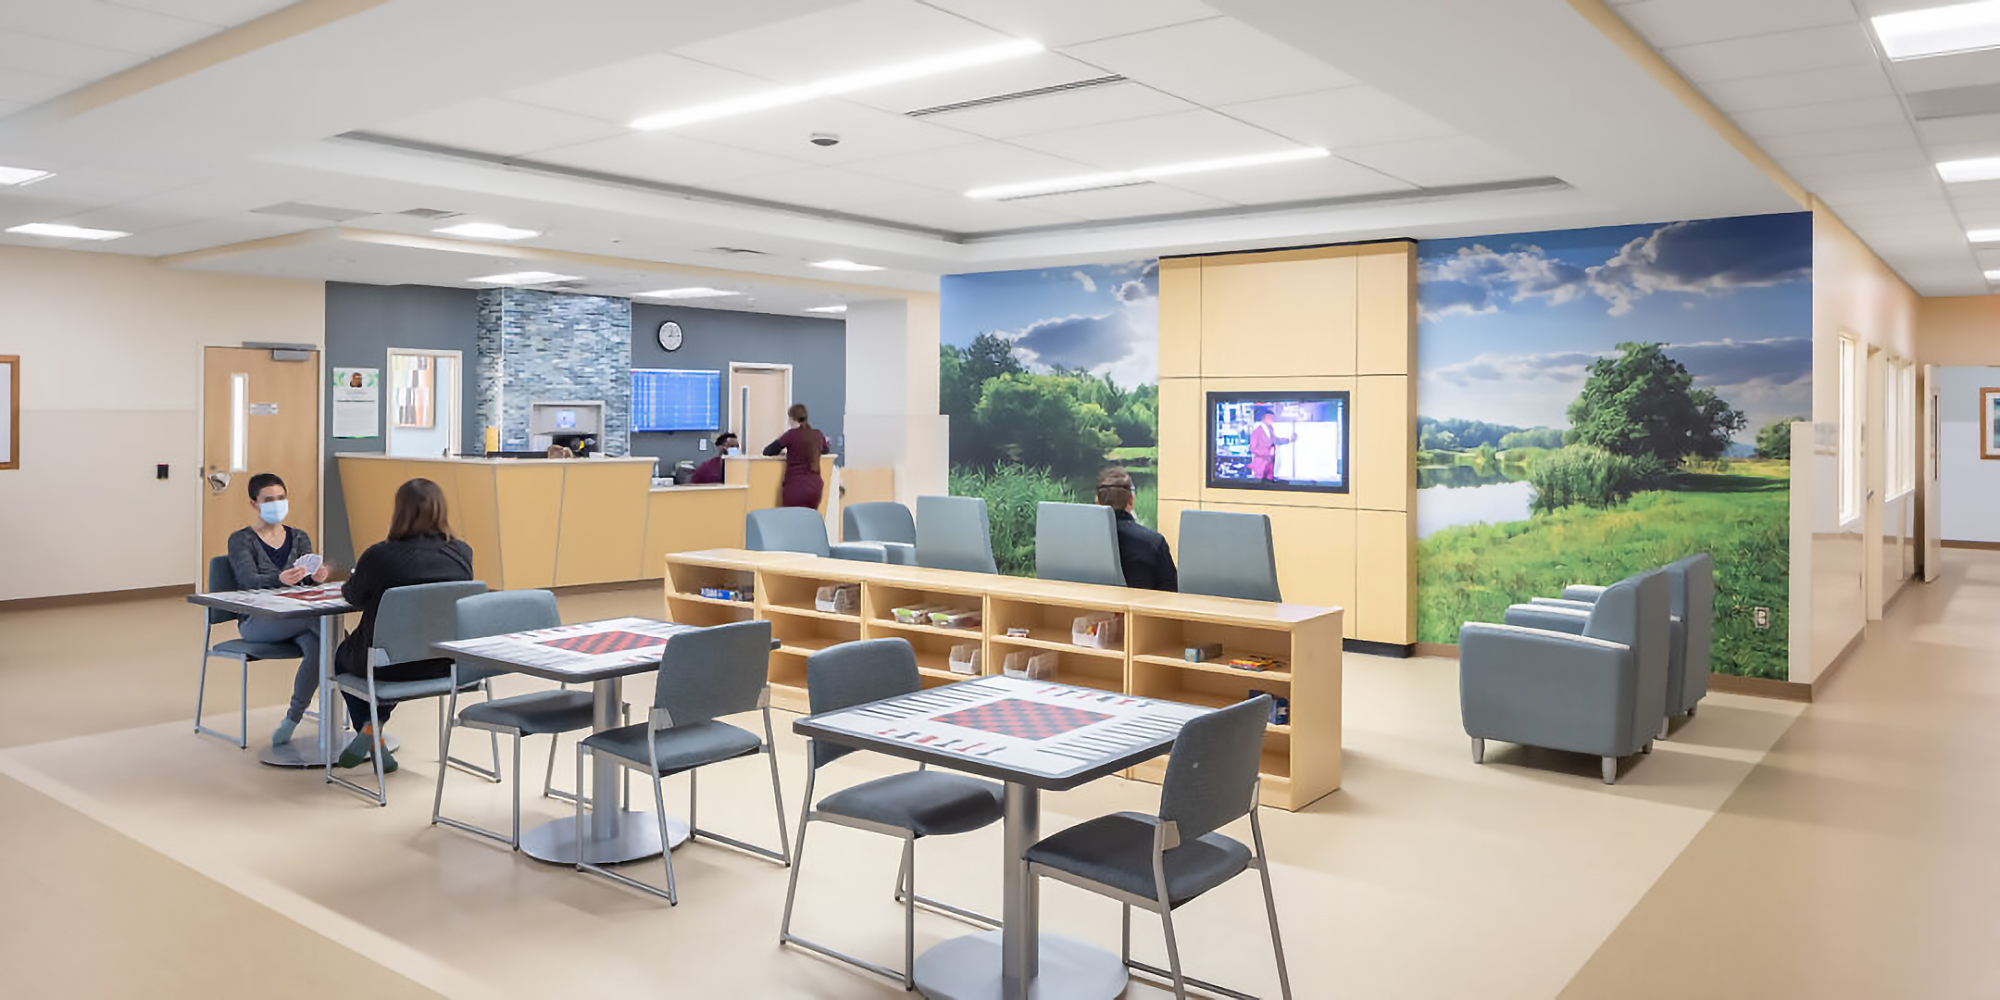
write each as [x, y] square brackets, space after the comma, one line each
[1046, 735]
[580, 653]
[315, 601]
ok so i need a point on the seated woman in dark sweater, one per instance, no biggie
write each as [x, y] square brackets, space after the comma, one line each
[420, 549]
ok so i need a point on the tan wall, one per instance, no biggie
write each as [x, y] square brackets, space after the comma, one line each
[1322, 318]
[1959, 331]
[111, 350]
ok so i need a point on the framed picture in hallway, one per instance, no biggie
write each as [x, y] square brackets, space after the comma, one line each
[1989, 423]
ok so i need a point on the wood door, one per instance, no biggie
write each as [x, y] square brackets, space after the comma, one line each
[759, 395]
[259, 414]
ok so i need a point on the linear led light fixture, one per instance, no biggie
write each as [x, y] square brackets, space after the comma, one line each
[1143, 175]
[1983, 235]
[687, 293]
[831, 86]
[1965, 171]
[487, 231]
[844, 265]
[67, 232]
[525, 278]
[17, 176]
[827, 309]
[1993, 276]
[1936, 31]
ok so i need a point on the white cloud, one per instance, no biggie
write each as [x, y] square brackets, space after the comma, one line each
[1089, 283]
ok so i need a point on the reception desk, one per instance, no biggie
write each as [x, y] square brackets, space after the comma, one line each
[550, 523]
[764, 477]
[1302, 757]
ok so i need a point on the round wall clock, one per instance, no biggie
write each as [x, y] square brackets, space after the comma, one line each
[670, 336]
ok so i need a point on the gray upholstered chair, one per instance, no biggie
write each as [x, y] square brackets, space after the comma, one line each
[799, 529]
[1691, 600]
[1600, 689]
[222, 578]
[1077, 542]
[909, 806]
[884, 523]
[704, 674]
[1228, 555]
[407, 623]
[543, 713]
[953, 533]
[1160, 862]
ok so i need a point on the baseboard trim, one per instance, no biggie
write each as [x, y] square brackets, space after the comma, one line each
[1448, 650]
[1978, 546]
[1762, 687]
[97, 597]
[1399, 650]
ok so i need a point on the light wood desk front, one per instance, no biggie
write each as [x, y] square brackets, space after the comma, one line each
[765, 478]
[1302, 759]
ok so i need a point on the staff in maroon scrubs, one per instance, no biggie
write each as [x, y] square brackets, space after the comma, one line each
[802, 446]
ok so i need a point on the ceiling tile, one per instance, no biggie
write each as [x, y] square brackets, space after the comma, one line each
[1785, 52]
[96, 186]
[1010, 77]
[502, 128]
[1968, 128]
[1943, 152]
[667, 159]
[1309, 180]
[1441, 162]
[845, 39]
[1853, 140]
[1348, 116]
[1161, 139]
[865, 133]
[826, 187]
[959, 214]
[31, 88]
[1668, 23]
[104, 25]
[1817, 86]
[1129, 202]
[1960, 69]
[1832, 116]
[1866, 161]
[647, 85]
[1218, 61]
[221, 13]
[1066, 22]
[61, 60]
[958, 169]
[1066, 110]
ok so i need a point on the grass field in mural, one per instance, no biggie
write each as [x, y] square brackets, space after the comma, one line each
[1596, 403]
[1048, 377]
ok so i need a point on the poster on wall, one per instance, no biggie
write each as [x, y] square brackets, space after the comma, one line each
[1600, 402]
[357, 402]
[1049, 376]
[1989, 423]
[10, 411]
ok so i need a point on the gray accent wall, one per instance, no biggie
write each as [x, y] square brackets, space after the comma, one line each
[815, 348]
[362, 323]
[546, 347]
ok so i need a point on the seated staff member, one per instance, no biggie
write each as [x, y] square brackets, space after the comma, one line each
[711, 470]
[420, 549]
[802, 446]
[1142, 552]
[265, 555]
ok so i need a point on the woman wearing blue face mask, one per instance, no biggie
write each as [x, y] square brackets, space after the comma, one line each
[266, 554]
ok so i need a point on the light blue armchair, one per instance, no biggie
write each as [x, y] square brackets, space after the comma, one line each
[799, 529]
[1590, 681]
[1691, 602]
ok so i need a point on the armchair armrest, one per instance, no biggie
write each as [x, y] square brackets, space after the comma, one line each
[1547, 688]
[1582, 592]
[1560, 602]
[858, 551]
[1551, 618]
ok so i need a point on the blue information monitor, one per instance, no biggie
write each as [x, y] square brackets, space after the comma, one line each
[675, 399]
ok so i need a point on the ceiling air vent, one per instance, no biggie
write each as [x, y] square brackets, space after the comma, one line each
[433, 214]
[302, 210]
[1019, 95]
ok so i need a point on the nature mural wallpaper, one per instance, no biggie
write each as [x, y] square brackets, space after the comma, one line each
[1048, 376]
[1597, 402]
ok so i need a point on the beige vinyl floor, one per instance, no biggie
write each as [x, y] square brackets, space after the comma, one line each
[1766, 850]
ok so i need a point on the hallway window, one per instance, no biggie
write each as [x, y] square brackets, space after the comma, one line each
[1908, 394]
[1850, 435]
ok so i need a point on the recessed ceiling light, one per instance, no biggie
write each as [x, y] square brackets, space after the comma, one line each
[1993, 276]
[1935, 31]
[1984, 235]
[1960, 171]
[839, 85]
[1143, 175]
[487, 231]
[525, 278]
[67, 232]
[16, 176]
[827, 309]
[844, 265]
[687, 293]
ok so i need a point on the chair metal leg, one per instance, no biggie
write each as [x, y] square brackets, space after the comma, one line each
[666, 839]
[446, 723]
[1125, 933]
[910, 915]
[798, 860]
[1478, 750]
[1270, 904]
[777, 793]
[201, 682]
[375, 737]
[243, 703]
[1173, 952]
[1610, 767]
[1666, 726]
[515, 841]
[445, 759]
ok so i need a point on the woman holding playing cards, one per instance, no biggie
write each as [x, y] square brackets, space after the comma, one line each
[270, 553]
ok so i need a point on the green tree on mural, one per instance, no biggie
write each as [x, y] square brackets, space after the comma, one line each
[1775, 440]
[1041, 420]
[1533, 437]
[1643, 403]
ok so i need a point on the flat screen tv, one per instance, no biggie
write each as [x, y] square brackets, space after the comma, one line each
[1278, 441]
[675, 399]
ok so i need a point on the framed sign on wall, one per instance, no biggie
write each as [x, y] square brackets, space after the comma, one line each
[1989, 422]
[10, 411]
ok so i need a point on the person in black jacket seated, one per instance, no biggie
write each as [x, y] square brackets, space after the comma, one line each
[420, 549]
[1142, 552]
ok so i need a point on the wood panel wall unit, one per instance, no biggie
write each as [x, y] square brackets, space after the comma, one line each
[1302, 758]
[1308, 319]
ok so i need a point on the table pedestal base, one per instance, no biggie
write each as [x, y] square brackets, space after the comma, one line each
[638, 838]
[968, 968]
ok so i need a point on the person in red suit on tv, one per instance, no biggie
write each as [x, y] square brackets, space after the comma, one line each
[1264, 442]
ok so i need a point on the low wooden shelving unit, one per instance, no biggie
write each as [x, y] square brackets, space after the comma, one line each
[1302, 759]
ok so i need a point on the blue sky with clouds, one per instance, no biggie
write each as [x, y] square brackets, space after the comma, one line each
[1507, 324]
[1104, 318]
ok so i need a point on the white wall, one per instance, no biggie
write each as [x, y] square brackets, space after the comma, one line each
[110, 352]
[1968, 486]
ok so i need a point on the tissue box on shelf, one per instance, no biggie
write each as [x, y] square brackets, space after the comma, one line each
[965, 658]
[1202, 654]
[915, 614]
[1100, 630]
[1017, 632]
[838, 599]
[955, 618]
[1031, 666]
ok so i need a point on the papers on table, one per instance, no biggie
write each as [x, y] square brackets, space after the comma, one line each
[591, 646]
[1035, 726]
[323, 598]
